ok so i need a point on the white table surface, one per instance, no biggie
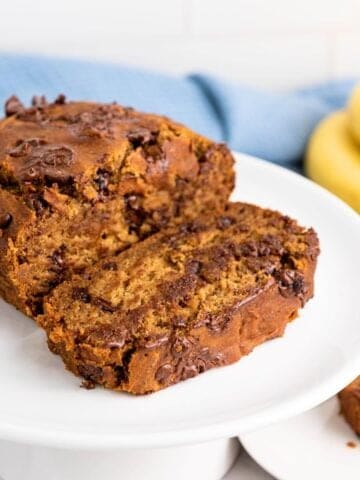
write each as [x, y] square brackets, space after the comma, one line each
[246, 468]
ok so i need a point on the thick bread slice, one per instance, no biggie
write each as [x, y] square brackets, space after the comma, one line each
[183, 301]
[80, 181]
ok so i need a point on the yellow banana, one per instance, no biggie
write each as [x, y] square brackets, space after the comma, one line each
[354, 114]
[333, 156]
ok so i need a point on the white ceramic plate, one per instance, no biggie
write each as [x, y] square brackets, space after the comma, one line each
[310, 446]
[41, 403]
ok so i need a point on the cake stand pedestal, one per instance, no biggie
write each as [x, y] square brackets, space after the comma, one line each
[204, 461]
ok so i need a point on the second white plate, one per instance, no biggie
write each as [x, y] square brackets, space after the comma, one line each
[314, 445]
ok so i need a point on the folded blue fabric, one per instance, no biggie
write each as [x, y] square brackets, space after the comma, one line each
[275, 127]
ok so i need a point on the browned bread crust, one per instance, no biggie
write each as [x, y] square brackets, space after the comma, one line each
[350, 404]
[183, 301]
[80, 181]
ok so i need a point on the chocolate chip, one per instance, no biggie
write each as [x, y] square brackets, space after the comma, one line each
[179, 290]
[201, 365]
[217, 322]
[153, 154]
[259, 263]
[109, 335]
[122, 371]
[104, 305]
[286, 277]
[91, 131]
[264, 250]
[249, 249]
[201, 320]
[39, 101]
[160, 217]
[98, 122]
[81, 294]
[164, 372]
[90, 372]
[48, 162]
[24, 147]
[102, 180]
[237, 251]
[13, 106]
[36, 307]
[5, 220]
[88, 384]
[140, 136]
[189, 371]
[110, 266]
[58, 259]
[241, 228]
[273, 244]
[179, 321]
[291, 282]
[192, 227]
[181, 183]
[180, 347]
[60, 99]
[57, 256]
[21, 149]
[210, 272]
[298, 284]
[224, 222]
[287, 260]
[21, 259]
[205, 156]
[193, 266]
[36, 203]
[216, 359]
[134, 201]
[134, 213]
[156, 341]
[205, 168]
[118, 344]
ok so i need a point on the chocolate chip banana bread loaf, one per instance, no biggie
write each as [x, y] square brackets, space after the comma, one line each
[185, 300]
[350, 404]
[80, 181]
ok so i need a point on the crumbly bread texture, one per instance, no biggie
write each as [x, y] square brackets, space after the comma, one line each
[80, 181]
[350, 404]
[185, 300]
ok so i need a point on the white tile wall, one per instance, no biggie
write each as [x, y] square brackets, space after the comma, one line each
[231, 17]
[276, 44]
[88, 20]
[346, 56]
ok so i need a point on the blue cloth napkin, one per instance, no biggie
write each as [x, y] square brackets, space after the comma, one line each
[275, 127]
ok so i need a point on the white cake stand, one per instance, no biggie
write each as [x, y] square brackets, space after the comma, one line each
[50, 429]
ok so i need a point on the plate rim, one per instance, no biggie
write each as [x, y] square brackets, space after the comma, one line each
[29, 434]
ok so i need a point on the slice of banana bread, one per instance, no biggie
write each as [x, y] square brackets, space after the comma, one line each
[350, 404]
[183, 301]
[79, 181]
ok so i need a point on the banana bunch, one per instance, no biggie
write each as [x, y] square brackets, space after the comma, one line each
[333, 154]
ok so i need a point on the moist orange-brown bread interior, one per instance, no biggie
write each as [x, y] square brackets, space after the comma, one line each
[80, 181]
[175, 282]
